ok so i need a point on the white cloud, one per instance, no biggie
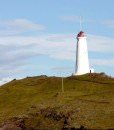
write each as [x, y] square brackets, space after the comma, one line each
[17, 26]
[52, 45]
[24, 24]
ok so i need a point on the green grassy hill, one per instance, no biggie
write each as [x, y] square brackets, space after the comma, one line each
[87, 101]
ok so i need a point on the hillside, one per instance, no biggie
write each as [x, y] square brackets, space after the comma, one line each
[37, 103]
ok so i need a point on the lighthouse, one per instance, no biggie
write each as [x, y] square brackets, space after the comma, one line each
[82, 62]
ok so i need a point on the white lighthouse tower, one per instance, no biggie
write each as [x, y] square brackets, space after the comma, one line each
[82, 62]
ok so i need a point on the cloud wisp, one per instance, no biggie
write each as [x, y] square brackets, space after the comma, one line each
[18, 26]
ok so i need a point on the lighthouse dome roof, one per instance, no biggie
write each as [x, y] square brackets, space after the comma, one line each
[81, 34]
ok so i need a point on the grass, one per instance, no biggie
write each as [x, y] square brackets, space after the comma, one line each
[90, 97]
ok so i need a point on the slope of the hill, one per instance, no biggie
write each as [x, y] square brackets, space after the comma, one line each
[37, 103]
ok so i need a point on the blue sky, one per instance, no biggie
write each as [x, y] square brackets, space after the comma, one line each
[38, 37]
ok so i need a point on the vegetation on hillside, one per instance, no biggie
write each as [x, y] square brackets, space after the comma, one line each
[37, 103]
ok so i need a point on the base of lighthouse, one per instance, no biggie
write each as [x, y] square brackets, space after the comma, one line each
[82, 62]
[82, 73]
[78, 73]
